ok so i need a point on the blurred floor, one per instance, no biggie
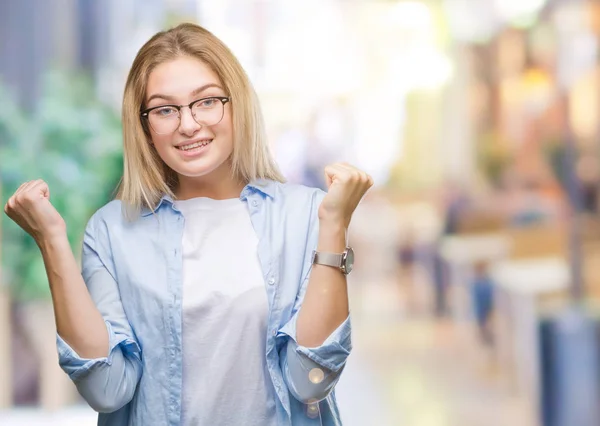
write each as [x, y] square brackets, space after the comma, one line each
[408, 369]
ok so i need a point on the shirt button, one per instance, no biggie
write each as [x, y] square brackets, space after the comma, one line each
[255, 203]
[271, 281]
[316, 375]
[274, 332]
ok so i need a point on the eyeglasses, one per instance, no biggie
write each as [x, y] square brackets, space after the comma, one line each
[165, 119]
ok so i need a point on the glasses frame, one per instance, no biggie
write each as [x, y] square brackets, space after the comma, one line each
[223, 99]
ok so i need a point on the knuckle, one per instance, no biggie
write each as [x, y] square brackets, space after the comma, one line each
[25, 198]
[345, 177]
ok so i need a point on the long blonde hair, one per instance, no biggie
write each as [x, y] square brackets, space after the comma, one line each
[146, 178]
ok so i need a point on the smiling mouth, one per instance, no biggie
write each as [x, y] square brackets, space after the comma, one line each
[194, 145]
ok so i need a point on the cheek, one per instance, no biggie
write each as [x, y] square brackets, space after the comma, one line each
[160, 140]
[161, 143]
[225, 129]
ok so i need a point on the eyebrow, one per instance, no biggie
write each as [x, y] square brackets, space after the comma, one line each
[194, 93]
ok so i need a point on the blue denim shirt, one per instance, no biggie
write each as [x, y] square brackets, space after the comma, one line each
[133, 271]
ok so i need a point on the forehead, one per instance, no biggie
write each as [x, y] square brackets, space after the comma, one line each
[179, 77]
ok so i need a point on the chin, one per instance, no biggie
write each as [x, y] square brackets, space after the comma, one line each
[198, 172]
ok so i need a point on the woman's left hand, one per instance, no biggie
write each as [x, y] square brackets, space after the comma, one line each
[346, 187]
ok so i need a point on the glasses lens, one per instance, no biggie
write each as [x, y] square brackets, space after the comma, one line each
[208, 112]
[164, 120]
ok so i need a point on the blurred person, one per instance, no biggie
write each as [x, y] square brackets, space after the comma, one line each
[406, 259]
[455, 204]
[211, 293]
[407, 252]
[588, 174]
[482, 297]
[440, 278]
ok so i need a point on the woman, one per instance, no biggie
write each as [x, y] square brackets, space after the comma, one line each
[200, 301]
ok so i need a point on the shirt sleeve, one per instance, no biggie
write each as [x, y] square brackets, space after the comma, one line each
[106, 383]
[312, 373]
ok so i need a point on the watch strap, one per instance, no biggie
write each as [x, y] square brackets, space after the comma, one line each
[328, 259]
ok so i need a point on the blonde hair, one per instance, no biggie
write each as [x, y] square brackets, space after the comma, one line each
[146, 178]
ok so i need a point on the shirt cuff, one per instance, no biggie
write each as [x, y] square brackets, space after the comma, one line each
[77, 367]
[332, 353]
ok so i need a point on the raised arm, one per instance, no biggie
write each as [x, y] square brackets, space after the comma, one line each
[95, 342]
[319, 331]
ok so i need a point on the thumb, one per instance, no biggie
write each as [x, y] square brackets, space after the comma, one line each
[329, 175]
[42, 189]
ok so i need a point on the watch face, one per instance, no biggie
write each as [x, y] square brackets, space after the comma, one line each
[349, 260]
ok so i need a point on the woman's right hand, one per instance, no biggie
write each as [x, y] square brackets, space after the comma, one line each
[31, 209]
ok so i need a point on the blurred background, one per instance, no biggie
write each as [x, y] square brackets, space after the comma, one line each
[474, 298]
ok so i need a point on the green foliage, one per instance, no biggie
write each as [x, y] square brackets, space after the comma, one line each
[73, 142]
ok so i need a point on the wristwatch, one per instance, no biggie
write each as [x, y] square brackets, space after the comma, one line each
[344, 261]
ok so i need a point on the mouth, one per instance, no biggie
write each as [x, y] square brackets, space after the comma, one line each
[194, 145]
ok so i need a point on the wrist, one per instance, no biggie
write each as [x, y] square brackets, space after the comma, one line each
[333, 217]
[332, 236]
[52, 240]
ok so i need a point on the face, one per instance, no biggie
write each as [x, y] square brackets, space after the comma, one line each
[191, 150]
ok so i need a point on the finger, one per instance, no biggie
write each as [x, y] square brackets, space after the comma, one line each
[345, 173]
[10, 206]
[329, 172]
[21, 188]
[364, 177]
[332, 173]
[43, 188]
[357, 174]
[26, 198]
[26, 187]
[347, 167]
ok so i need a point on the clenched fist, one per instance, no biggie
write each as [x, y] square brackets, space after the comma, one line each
[346, 187]
[31, 209]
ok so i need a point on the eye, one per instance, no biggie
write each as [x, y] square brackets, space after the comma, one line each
[165, 111]
[207, 103]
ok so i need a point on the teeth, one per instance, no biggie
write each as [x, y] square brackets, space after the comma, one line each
[194, 145]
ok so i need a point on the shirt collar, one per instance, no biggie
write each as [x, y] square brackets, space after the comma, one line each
[165, 199]
[264, 186]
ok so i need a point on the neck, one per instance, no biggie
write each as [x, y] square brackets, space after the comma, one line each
[218, 186]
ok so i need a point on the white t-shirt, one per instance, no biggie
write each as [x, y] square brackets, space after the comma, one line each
[225, 311]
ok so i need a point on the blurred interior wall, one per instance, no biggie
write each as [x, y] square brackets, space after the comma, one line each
[27, 55]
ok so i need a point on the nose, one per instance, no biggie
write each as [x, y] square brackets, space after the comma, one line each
[187, 124]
